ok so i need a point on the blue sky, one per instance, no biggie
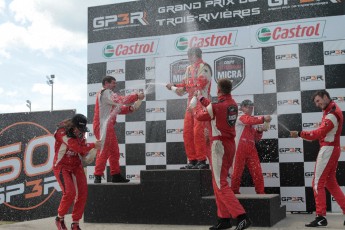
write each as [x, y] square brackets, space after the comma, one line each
[39, 38]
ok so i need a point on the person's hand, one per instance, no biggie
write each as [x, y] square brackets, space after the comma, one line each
[90, 156]
[197, 94]
[179, 91]
[136, 105]
[260, 129]
[294, 134]
[193, 102]
[267, 118]
[98, 145]
[169, 86]
[141, 96]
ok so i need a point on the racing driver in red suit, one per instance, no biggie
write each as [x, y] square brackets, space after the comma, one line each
[246, 153]
[223, 115]
[195, 133]
[70, 146]
[108, 105]
[326, 164]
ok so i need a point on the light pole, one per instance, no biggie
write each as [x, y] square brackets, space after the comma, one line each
[28, 104]
[50, 82]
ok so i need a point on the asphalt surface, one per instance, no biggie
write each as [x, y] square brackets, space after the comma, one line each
[292, 221]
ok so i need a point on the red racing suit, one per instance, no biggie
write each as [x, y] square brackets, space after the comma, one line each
[69, 172]
[108, 105]
[246, 153]
[326, 164]
[223, 117]
[195, 133]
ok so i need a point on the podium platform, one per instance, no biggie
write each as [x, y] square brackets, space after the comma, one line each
[176, 197]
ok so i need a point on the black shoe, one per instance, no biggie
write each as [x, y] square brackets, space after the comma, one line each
[223, 223]
[190, 165]
[98, 179]
[60, 223]
[75, 226]
[243, 222]
[201, 165]
[318, 222]
[118, 178]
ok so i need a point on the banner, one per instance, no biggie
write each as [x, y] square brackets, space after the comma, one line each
[277, 33]
[152, 18]
[28, 187]
[297, 31]
[243, 67]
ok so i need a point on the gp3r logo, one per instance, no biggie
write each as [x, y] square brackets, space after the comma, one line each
[293, 199]
[26, 161]
[123, 19]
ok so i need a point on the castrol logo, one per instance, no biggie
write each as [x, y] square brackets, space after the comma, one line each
[206, 41]
[291, 32]
[129, 49]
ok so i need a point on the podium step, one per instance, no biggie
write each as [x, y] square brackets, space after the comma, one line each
[177, 197]
[263, 209]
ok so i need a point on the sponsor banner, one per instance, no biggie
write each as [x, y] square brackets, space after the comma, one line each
[130, 48]
[289, 32]
[156, 110]
[208, 41]
[239, 66]
[135, 132]
[244, 68]
[156, 153]
[152, 18]
[308, 173]
[334, 52]
[286, 56]
[312, 77]
[296, 31]
[270, 172]
[293, 198]
[269, 81]
[28, 187]
[174, 130]
[289, 102]
[92, 90]
[290, 150]
[311, 121]
[232, 67]
[211, 41]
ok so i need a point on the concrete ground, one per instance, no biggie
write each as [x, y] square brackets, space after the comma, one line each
[292, 221]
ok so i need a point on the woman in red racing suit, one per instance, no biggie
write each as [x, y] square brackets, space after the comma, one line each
[70, 146]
